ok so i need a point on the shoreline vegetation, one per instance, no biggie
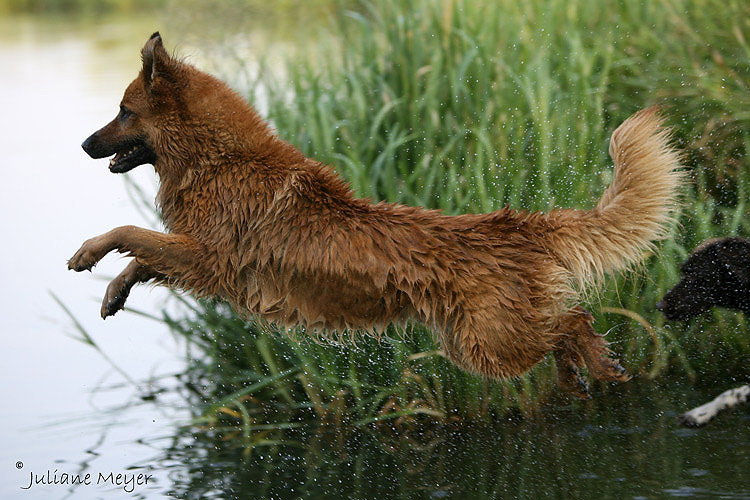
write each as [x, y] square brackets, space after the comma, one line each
[466, 107]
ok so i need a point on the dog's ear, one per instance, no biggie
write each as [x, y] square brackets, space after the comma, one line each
[156, 61]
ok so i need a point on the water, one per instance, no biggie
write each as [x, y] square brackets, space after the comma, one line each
[622, 445]
[67, 409]
[62, 79]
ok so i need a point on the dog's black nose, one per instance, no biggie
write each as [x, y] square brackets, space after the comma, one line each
[95, 148]
[86, 145]
[660, 305]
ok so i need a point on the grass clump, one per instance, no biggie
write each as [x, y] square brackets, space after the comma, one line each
[467, 106]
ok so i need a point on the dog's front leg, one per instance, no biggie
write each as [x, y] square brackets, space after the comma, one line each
[119, 288]
[166, 253]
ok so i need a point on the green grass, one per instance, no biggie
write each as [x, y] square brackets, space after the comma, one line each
[468, 106]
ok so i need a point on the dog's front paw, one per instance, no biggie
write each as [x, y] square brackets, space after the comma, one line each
[87, 256]
[115, 297]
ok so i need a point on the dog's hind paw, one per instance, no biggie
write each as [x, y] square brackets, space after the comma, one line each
[575, 385]
[596, 355]
[607, 369]
[568, 376]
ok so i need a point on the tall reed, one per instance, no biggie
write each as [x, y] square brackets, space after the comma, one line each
[467, 106]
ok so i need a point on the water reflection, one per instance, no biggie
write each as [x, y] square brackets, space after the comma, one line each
[623, 445]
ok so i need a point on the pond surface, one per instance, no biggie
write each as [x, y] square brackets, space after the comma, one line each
[61, 80]
[623, 445]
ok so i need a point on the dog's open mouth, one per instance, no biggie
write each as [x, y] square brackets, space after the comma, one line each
[132, 155]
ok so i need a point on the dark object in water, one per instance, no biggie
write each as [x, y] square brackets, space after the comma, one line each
[717, 273]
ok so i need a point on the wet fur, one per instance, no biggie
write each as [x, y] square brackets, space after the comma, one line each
[717, 273]
[251, 220]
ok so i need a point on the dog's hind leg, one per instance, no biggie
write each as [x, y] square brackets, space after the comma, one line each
[569, 378]
[580, 339]
[489, 342]
[119, 288]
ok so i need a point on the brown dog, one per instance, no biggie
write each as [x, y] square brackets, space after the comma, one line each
[276, 234]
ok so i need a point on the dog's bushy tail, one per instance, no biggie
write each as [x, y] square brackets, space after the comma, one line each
[634, 211]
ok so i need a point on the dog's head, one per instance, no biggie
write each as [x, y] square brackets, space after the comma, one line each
[177, 117]
[128, 137]
[716, 273]
[163, 113]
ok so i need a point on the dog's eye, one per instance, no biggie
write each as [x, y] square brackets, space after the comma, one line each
[124, 112]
